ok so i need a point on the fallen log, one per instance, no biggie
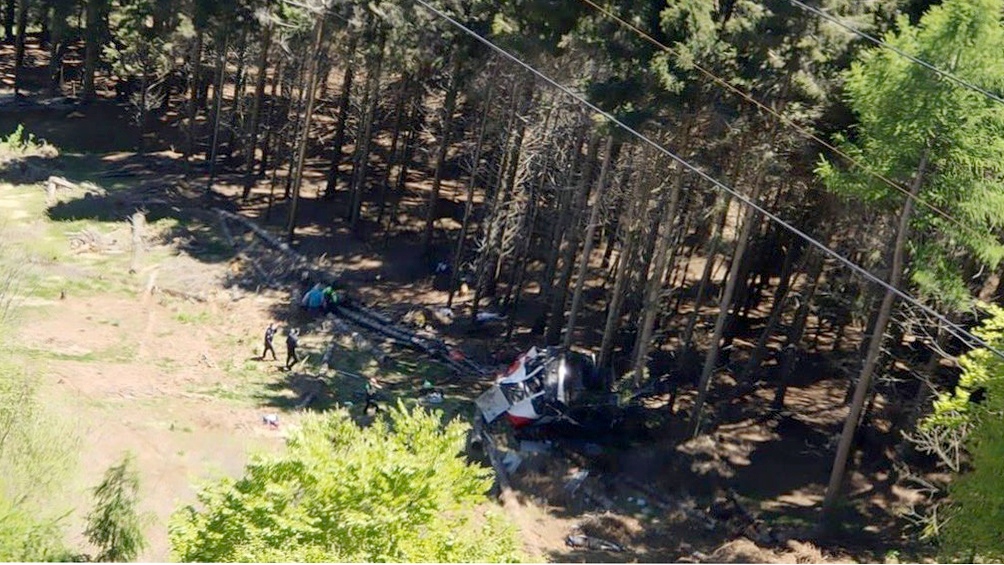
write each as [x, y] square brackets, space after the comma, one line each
[226, 233]
[263, 234]
[731, 496]
[181, 294]
[269, 283]
[306, 400]
[501, 477]
[54, 183]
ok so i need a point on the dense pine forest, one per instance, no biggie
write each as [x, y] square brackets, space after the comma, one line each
[724, 201]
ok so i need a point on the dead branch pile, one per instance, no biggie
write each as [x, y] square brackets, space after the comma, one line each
[92, 240]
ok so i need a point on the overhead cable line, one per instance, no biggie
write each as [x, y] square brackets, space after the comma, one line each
[957, 331]
[804, 131]
[897, 50]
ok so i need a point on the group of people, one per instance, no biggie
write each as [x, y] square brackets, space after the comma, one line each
[292, 340]
[321, 299]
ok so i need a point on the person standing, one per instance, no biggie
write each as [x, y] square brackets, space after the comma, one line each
[269, 334]
[292, 339]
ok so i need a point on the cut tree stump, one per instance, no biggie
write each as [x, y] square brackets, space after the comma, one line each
[138, 224]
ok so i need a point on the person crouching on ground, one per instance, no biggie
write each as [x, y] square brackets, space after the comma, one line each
[371, 395]
[330, 298]
[313, 300]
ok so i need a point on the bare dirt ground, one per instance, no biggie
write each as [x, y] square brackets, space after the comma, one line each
[146, 373]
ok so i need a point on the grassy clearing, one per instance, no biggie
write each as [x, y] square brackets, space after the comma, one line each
[43, 253]
[116, 354]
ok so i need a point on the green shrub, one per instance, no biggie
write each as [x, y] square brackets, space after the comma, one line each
[36, 455]
[113, 525]
[19, 142]
[36, 452]
[398, 490]
[973, 528]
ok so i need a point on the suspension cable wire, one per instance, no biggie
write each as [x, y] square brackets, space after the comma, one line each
[896, 50]
[795, 125]
[960, 333]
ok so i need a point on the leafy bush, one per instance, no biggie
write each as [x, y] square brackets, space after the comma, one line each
[398, 490]
[19, 142]
[973, 526]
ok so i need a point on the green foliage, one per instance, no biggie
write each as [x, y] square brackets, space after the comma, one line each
[906, 111]
[980, 368]
[973, 527]
[113, 525]
[36, 455]
[20, 142]
[398, 490]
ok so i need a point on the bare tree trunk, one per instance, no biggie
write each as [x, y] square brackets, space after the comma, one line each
[60, 12]
[711, 357]
[221, 69]
[395, 146]
[344, 106]
[777, 308]
[514, 158]
[308, 113]
[411, 142]
[587, 251]
[558, 231]
[266, 144]
[9, 19]
[445, 128]
[361, 165]
[657, 276]
[259, 97]
[834, 487]
[523, 263]
[714, 241]
[144, 90]
[137, 223]
[296, 83]
[43, 22]
[92, 49]
[193, 99]
[458, 252]
[639, 199]
[556, 316]
[793, 337]
[22, 25]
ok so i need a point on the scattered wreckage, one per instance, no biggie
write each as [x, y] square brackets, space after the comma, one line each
[553, 388]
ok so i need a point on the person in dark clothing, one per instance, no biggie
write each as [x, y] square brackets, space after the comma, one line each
[269, 334]
[371, 395]
[292, 338]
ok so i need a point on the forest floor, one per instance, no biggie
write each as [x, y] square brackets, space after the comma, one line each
[163, 362]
